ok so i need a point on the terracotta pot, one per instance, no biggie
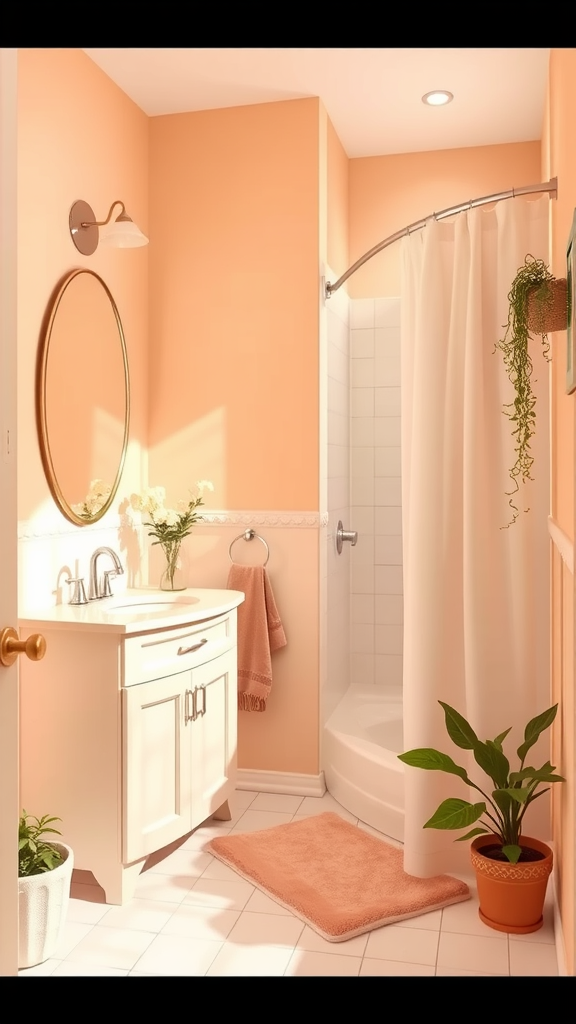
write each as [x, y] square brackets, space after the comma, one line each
[551, 315]
[511, 895]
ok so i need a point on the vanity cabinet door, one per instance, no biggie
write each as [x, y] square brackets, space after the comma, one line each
[213, 735]
[155, 764]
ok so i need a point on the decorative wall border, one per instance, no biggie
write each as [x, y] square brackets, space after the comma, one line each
[562, 542]
[285, 520]
[52, 526]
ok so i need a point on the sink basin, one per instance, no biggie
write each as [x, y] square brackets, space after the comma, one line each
[145, 606]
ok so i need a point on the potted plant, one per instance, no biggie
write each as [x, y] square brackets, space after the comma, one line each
[44, 878]
[511, 869]
[537, 305]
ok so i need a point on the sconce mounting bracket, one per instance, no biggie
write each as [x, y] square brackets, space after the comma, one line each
[85, 239]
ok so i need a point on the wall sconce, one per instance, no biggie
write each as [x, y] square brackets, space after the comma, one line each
[123, 233]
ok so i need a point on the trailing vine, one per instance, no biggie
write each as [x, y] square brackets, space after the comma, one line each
[518, 363]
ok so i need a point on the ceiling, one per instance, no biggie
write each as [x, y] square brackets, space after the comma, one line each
[372, 95]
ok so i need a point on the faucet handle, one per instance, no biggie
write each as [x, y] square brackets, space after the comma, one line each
[108, 574]
[78, 594]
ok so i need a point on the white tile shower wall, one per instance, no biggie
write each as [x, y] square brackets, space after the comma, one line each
[376, 590]
[336, 437]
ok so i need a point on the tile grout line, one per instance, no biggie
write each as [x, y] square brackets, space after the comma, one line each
[438, 946]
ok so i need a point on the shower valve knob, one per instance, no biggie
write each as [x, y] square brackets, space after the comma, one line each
[342, 535]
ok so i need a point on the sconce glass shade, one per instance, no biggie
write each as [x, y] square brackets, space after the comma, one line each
[123, 234]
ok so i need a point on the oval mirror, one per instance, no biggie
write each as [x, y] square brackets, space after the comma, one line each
[83, 397]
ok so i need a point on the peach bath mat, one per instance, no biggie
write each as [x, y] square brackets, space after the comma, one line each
[335, 877]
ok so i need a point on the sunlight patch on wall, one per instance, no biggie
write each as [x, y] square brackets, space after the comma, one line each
[197, 452]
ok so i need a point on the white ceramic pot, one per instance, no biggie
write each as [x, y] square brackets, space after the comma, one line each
[42, 908]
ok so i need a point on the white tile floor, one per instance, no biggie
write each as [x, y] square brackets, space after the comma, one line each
[192, 915]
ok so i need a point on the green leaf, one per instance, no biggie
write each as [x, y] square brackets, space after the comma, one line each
[536, 795]
[459, 730]
[470, 835]
[499, 739]
[502, 799]
[534, 728]
[433, 761]
[452, 814]
[536, 775]
[493, 762]
[519, 795]
[512, 852]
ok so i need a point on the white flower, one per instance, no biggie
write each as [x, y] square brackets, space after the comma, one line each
[151, 499]
[98, 488]
[172, 517]
[204, 485]
[159, 516]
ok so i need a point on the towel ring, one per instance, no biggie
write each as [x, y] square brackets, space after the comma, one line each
[249, 535]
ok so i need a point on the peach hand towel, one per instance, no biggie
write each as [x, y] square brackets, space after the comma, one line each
[260, 632]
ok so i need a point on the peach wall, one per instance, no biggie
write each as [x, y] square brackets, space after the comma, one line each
[234, 369]
[337, 196]
[389, 192]
[234, 304]
[561, 159]
[79, 137]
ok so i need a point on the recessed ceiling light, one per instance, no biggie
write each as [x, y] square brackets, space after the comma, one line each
[437, 98]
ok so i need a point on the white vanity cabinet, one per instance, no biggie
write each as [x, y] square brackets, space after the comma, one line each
[178, 753]
[129, 733]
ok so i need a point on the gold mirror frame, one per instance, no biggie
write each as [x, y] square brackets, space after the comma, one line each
[42, 405]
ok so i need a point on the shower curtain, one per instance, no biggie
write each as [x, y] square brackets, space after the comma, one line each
[476, 592]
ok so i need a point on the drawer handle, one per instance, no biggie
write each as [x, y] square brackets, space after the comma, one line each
[188, 650]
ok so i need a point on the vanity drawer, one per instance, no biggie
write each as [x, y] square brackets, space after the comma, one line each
[159, 654]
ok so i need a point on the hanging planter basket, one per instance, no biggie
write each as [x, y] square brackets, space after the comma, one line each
[537, 305]
[547, 307]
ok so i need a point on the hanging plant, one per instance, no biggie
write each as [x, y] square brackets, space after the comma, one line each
[537, 304]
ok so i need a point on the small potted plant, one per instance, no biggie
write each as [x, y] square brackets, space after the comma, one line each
[511, 869]
[44, 878]
[537, 305]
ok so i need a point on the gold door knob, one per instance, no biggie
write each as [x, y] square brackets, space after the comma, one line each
[10, 646]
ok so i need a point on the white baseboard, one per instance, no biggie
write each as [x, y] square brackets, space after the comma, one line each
[281, 782]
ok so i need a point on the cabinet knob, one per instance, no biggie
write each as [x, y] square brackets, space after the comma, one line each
[10, 646]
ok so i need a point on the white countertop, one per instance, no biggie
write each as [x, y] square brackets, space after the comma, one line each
[107, 615]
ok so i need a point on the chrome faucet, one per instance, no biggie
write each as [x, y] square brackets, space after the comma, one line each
[101, 588]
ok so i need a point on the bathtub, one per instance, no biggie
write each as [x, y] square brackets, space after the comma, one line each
[359, 746]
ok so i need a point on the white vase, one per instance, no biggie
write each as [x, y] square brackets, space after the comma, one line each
[42, 909]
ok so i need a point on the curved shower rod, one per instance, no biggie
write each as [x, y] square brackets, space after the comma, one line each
[526, 190]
